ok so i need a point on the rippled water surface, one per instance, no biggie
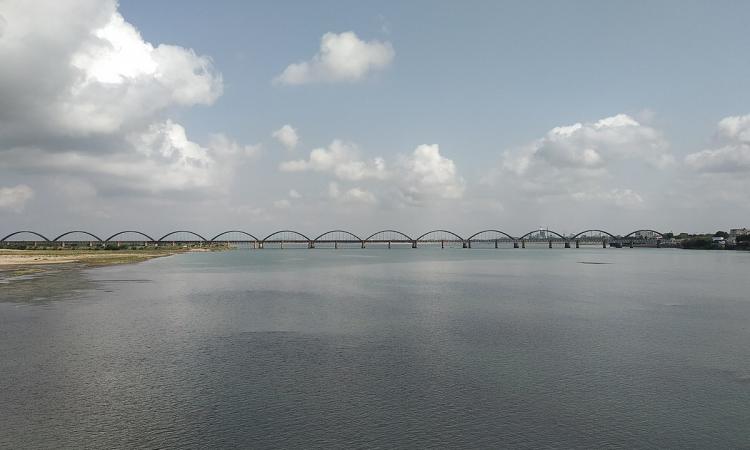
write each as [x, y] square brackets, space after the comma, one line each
[386, 348]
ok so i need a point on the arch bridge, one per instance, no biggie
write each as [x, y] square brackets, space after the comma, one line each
[340, 238]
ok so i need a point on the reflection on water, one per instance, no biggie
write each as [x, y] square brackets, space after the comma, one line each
[367, 348]
[42, 284]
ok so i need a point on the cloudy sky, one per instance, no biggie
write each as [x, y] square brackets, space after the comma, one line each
[409, 115]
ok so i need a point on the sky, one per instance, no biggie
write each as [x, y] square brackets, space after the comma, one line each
[418, 115]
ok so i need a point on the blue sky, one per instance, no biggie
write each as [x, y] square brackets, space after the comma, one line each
[478, 74]
[454, 125]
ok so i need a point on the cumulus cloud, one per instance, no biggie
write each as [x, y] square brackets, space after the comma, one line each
[78, 68]
[14, 198]
[342, 57]
[84, 93]
[574, 160]
[223, 146]
[593, 146]
[294, 194]
[341, 159]
[287, 136]
[417, 178]
[733, 152]
[353, 195]
[158, 159]
[427, 174]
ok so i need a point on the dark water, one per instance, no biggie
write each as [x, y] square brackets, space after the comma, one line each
[386, 348]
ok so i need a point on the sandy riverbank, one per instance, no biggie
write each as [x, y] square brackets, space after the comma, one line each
[14, 259]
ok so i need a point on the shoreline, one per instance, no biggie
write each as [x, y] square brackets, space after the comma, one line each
[20, 262]
[12, 259]
[32, 276]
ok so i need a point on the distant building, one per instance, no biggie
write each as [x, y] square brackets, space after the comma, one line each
[739, 231]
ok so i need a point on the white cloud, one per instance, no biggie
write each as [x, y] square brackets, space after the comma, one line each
[222, 145]
[282, 204]
[341, 159]
[420, 177]
[84, 94]
[342, 57]
[625, 198]
[733, 155]
[353, 195]
[183, 163]
[78, 68]
[736, 128]
[287, 136]
[294, 194]
[427, 174]
[593, 145]
[159, 159]
[14, 198]
[574, 160]
[730, 158]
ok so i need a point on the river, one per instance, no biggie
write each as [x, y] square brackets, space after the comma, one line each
[472, 348]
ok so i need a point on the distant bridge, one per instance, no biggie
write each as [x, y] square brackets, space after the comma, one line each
[342, 238]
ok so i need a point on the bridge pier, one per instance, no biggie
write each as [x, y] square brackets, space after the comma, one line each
[281, 245]
[413, 244]
[631, 244]
[604, 243]
[335, 245]
[550, 244]
[363, 244]
[442, 244]
[515, 244]
[658, 243]
[466, 245]
[311, 244]
[389, 244]
[578, 243]
[523, 243]
[495, 243]
[567, 244]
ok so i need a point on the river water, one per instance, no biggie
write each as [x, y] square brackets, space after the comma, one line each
[384, 348]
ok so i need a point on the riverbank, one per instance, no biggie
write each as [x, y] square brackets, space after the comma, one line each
[45, 274]
[13, 259]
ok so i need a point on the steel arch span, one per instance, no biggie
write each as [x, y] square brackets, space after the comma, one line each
[213, 239]
[661, 235]
[491, 231]
[109, 239]
[77, 231]
[161, 239]
[546, 231]
[407, 238]
[24, 231]
[594, 230]
[297, 233]
[458, 238]
[349, 233]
